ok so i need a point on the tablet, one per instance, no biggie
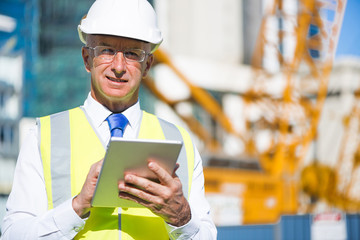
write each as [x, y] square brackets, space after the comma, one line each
[124, 155]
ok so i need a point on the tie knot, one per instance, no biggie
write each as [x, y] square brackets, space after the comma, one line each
[117, 123]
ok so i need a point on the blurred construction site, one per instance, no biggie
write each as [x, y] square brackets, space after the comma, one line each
[270, 91]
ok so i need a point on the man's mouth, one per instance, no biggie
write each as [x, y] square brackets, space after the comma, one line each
[116, 79]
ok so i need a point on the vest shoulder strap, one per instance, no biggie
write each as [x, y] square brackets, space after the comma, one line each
[65, 136]
[152, 125]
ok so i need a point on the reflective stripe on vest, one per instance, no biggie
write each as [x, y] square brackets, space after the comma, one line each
[69, 146]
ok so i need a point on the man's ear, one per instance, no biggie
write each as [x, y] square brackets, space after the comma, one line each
[149, 62]
[86, 58]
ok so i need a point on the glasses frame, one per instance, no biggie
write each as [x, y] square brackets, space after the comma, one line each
[143, 53]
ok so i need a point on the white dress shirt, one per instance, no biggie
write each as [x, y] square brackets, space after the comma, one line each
[27, 216]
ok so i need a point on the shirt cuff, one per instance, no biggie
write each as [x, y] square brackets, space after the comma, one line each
[184, 232]
[66, 219]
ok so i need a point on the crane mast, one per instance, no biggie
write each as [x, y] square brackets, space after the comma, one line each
[294, 53]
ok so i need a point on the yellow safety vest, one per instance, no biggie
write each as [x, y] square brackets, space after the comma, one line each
[69, 146]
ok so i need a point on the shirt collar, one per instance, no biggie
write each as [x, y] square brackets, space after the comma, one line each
[98, 113]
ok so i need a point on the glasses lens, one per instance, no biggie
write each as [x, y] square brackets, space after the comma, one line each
[104, 52]
[134, 55]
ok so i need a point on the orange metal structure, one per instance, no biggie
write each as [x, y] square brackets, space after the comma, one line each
[274, 189]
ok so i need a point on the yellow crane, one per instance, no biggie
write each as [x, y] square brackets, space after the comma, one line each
[274, 189]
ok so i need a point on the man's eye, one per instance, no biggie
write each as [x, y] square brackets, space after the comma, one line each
[107, 51]
[132, 54]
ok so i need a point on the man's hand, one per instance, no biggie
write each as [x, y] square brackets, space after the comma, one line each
[82, 202]
[165, 198]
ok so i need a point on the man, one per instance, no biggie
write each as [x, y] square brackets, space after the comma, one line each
[58, 164]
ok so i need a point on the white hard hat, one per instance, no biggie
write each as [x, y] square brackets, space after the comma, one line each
[125, 18]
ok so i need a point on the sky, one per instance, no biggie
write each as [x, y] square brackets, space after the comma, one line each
[349, 40]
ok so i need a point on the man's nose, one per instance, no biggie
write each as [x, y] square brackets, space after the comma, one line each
[119, 62]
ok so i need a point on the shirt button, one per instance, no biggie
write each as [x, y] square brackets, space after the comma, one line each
[77, 229]
[177, 234]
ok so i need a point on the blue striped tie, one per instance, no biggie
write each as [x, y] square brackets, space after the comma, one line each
[117, 123]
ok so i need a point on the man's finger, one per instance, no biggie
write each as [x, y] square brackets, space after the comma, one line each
[140, 188]
[164, 177]
[175, 169]
[98, 167]
[128, 196]
[135, 185]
